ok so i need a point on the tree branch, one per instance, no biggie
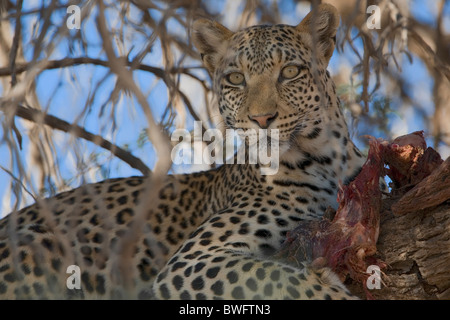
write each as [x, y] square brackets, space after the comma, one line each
[430, 58]
[37, 116]
[416, 250]
[69, 62]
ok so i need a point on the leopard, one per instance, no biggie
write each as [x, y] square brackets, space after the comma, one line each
[211, 234]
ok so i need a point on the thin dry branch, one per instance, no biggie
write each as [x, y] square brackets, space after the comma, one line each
[69, 62]
[12, 62]
[432, 59]
[15, 45]
[37, 116]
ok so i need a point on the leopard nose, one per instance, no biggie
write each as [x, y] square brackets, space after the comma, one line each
[265, 120]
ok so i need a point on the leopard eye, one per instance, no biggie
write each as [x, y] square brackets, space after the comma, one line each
[236, 78]
[290, 72]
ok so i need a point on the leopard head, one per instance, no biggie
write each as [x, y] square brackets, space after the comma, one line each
[273, 77]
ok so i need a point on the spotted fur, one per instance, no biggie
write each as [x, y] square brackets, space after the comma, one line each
[213, 234]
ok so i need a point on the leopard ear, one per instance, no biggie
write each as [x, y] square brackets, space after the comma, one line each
[211, 39]
[322, 24]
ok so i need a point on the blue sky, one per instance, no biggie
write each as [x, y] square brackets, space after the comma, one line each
[64, 92]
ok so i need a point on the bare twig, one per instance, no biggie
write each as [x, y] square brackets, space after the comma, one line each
[433, 60]
[15, 45]
[12, 62]
[69, 62]
[37, 116]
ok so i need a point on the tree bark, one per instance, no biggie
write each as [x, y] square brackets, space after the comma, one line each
[416, 249]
